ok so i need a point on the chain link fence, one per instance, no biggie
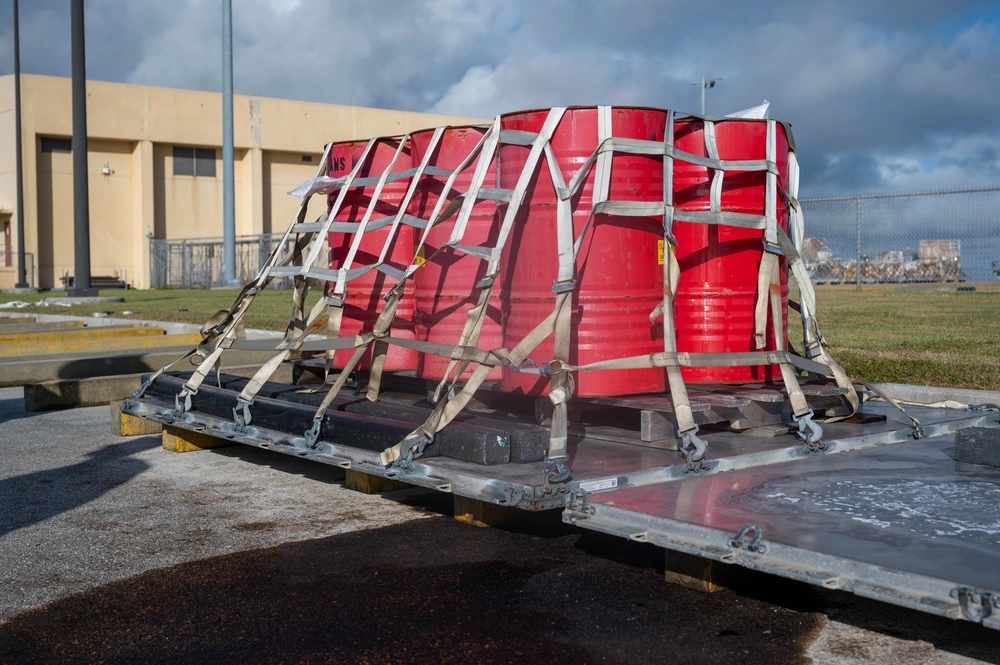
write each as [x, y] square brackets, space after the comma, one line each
[941, 236]
[198, 263]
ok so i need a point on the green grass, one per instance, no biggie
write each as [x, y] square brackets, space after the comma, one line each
[942, 339]
[270, 310]
[932, 338]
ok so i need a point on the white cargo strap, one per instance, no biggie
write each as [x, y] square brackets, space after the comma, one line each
[474, 318]
[671, 280]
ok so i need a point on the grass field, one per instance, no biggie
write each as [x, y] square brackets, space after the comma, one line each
[932, 338]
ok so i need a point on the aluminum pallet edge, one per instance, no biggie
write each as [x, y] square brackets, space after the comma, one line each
[918, 592]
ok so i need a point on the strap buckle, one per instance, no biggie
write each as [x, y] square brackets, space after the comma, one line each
[563, 287]
[772, 248]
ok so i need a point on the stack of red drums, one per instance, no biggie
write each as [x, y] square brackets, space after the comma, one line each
[445, 287]
[620, 266]
[715, 300]
[619, 278]
[364, 294]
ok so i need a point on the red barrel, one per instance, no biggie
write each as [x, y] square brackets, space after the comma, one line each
[619, 277]
[444, 288]
[364, 294]
[715, 300]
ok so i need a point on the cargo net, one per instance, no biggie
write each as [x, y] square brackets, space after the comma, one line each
[303, 243]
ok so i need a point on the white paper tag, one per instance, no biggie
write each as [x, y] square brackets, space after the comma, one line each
[598, 485]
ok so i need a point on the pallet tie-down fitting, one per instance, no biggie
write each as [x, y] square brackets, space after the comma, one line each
[298, 258]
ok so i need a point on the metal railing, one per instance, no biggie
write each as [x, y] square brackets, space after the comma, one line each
[939, 236]
[197, 263]
[8, 263]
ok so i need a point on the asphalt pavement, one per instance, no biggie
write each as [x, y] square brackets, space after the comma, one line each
[113, 550]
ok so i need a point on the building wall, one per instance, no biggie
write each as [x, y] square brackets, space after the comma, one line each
[8, 203]
[133, 130]
[283, 172]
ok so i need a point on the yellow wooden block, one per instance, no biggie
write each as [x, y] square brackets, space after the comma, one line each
[370, 484]
[483, 514]
[178, 440]
[695, 572]
[124, 424]
[99, 344]
[104, 332]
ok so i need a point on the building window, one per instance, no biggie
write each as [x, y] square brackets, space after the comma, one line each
[308, 159]
[56, 145]
[199, 162]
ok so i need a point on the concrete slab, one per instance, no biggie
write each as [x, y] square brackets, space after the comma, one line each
[19, 328]
[98, 343]
[101, 390]
[43, 335]
[7, 321]
[76, 393]
[20, 372]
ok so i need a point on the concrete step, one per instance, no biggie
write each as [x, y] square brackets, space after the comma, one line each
[98, 345]
[97, 332]
[17, 373]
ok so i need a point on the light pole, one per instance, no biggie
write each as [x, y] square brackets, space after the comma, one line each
[228, 187]
[81, 198]
[705, 83]
[22, 275]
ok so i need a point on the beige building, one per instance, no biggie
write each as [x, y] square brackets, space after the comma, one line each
[155, 163]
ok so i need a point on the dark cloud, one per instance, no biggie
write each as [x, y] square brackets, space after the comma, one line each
[900, 94]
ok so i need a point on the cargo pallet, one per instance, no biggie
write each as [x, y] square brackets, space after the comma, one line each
[802, 478]
[768, 503]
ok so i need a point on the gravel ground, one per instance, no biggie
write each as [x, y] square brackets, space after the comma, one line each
[116, 551]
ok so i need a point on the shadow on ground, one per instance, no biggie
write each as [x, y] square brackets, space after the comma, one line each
[40, 495]
[431, 590]
[435, 590]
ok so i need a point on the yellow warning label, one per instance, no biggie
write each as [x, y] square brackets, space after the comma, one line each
[420, 260]
[659, 251]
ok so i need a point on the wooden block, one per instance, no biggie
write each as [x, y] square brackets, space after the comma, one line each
[124, 424]
[483, 514]
[367, 483]
[178, 440]
[695, 572]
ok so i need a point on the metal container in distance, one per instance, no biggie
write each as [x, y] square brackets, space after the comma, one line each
[715, 300]
[444, 288]
[619, 276]
[365, 294]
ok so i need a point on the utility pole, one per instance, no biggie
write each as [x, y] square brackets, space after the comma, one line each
[228, 187]
[705, 83]
[22, 274]
[81, 197]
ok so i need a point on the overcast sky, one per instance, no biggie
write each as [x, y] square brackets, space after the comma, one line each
[883, 96]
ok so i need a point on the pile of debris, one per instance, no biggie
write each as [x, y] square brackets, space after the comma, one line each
[933, 261]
